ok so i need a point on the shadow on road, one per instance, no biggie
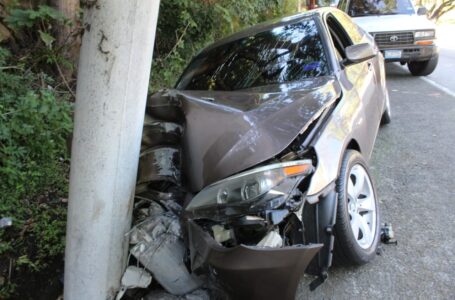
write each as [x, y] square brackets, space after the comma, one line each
[395, 70]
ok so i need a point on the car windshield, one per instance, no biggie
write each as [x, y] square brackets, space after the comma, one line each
[282, 54]
[360, 8]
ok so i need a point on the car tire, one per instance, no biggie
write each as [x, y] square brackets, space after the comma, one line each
[357, 211]
[386, 115]
[423, 68]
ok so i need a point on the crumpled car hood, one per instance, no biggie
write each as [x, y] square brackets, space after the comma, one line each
[228, 132]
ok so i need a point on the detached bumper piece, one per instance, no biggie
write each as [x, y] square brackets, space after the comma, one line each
[250, 272]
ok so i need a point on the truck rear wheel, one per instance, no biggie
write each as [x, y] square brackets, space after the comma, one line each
[423, 68]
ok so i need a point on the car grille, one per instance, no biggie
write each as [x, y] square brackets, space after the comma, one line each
[390, 39]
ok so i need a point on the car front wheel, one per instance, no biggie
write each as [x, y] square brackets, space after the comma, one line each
[423, 68]
[357, 228]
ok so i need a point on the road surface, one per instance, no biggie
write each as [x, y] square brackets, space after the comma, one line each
[444, 75]
[413, 164]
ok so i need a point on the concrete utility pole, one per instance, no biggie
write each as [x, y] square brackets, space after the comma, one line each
[114, 70]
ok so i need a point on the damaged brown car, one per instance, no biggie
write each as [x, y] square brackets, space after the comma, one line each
[256, 162]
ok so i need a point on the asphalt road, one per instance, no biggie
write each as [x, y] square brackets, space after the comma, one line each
[444, 75]
[413, 165]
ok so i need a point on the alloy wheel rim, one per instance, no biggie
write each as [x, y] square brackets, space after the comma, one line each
[361, 206]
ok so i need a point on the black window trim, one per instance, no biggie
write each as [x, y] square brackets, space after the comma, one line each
[325, 36]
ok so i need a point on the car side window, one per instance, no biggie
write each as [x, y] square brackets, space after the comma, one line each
[340, 38]
[355, 33]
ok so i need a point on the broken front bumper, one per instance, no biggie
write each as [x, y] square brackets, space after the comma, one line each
[250, 272]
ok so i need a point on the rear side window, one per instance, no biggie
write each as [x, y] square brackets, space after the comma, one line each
[282, 54]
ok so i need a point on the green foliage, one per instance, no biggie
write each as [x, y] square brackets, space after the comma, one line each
[43, 18]
[34, 124]
[185, 27]
[19, 18]
[46, 38]
[35, 31]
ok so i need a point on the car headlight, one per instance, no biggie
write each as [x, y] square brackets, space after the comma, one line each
[253, 187]
[426, 34]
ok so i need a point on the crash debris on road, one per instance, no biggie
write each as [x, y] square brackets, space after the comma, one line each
[6, 222]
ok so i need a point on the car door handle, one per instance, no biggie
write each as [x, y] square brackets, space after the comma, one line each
[370, 66]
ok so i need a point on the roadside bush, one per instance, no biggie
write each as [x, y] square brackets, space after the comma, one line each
[34, 124]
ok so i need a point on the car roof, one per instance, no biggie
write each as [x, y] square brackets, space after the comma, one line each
[261, 27]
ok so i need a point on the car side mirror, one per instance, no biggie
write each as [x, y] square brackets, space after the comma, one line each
[358, 53]
[422, 11]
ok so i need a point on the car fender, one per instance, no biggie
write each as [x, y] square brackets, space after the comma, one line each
[345, 124]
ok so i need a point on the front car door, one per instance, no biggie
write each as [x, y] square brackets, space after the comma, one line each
[361, 81]
[358, 35]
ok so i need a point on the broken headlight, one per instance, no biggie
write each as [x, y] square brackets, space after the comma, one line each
[265, 187]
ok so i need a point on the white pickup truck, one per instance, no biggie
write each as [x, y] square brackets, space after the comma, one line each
[402, 33]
